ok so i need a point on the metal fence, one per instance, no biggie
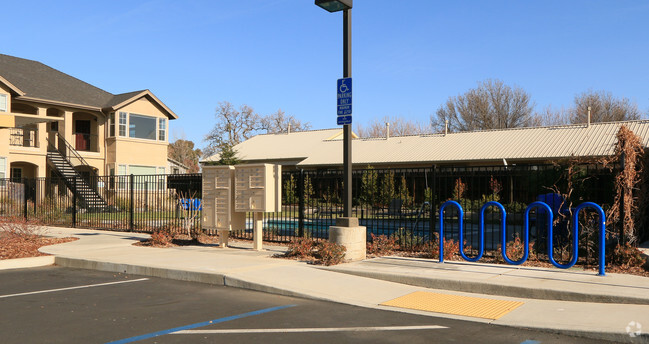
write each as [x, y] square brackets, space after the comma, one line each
[404, 203]
[400, 203]
[123, 203]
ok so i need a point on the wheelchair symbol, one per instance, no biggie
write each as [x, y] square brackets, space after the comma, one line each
[343, 87]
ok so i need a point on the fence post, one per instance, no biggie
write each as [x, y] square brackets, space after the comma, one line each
[131, 218]
[300, 191]
[74, 202]
[433, 208]
[35, 194]
[25, 198]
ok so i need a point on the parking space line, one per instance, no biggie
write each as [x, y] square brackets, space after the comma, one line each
[72, 288]
[321, 329]
[201, 324]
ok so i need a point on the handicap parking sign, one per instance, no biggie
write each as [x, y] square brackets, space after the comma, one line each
[344, 101]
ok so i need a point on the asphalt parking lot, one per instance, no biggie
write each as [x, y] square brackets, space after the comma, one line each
[60, 305]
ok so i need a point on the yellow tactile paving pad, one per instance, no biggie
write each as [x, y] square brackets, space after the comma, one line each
[454, 304]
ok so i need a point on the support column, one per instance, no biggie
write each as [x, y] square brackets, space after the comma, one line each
[67, 126]
[348, 233]
[257, 232]
[224, 235]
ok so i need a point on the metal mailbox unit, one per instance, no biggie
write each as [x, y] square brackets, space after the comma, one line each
[229, 192]
[218, 200]
[258, 189]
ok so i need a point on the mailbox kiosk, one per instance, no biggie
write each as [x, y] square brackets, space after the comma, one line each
[258, 189]
[218, 200]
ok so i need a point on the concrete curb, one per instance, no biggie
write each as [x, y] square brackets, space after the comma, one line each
[181, 275]
[478, 287]
[23, 263]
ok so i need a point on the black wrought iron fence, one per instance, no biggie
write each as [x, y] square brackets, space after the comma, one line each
[123, 203]
[399, 203]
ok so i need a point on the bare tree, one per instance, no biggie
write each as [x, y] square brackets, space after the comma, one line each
[183, 151]
[492, 105]
[232, 127]
[604, 108]
[398, 127]
[279, 122]
[552, 116]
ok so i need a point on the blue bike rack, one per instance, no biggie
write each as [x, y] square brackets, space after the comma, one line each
[460, 218]
[575, 238]
[526, 233]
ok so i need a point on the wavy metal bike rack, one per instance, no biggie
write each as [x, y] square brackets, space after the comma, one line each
[526, 233]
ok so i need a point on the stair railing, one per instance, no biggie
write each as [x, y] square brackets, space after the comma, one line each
[67, 151]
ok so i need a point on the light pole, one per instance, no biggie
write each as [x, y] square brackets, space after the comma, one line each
[346, 7]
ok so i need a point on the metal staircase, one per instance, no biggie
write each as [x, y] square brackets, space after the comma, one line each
[60, 159]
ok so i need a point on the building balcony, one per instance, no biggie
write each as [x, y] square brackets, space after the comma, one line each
[23, 137]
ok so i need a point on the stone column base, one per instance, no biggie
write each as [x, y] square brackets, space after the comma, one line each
[348, 233]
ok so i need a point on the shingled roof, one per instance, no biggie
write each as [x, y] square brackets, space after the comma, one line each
[32, 80]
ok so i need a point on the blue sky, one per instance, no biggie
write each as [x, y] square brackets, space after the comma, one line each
[271, 54]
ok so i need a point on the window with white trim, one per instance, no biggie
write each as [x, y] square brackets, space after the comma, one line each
[162, 129]
[122, 178]
[161, 178]
[141, 127]
[111, 125]
[122, 123]
[3, 103]
[3, 171]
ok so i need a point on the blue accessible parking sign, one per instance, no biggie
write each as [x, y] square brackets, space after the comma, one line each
[344, 95]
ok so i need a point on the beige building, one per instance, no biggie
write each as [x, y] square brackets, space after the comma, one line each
[56, 125]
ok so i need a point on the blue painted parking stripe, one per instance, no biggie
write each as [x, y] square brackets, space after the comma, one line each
[201, 324]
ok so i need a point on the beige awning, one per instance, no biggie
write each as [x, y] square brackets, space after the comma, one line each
[22, 119]
[7, 121]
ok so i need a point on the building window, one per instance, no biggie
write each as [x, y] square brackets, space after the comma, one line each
[162, 129]
[3, 102]
[161, 178]
[122, 123]
[144, 177]
[54, 126]
[141, 127]
[111, 125]
[3, 171]
[122, 178]
[111, 179]
[16, 174]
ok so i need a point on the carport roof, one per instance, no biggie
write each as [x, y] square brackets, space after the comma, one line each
[313, 148]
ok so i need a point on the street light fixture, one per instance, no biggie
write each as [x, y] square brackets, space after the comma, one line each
[346, 7]
[334, 5]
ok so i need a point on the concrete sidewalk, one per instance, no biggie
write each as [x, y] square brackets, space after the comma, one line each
[569, 302]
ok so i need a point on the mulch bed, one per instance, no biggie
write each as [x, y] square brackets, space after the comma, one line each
[24, 246]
